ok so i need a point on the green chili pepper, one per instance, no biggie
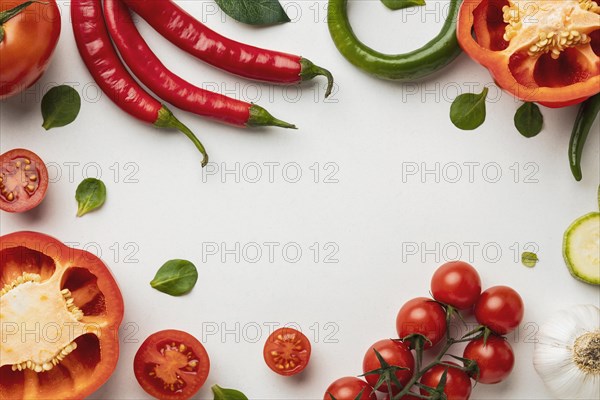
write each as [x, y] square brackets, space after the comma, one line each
[588, 111]
[434, 55]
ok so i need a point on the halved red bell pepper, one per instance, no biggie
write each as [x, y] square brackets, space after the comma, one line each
[544, 51]
[60, 311]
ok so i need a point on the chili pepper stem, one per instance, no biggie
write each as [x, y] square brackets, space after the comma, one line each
[261, 117]
[166, 119]
[310, 70]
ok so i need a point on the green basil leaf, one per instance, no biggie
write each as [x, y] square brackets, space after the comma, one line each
[254, 12]
[529, 259]
[468, 110]
[90, 195]
[400, 4]
[529, 120]
[175, 277]
[227, 394]
[60, 106]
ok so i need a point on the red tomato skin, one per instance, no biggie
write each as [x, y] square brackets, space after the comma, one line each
[458, 383]
[148, 352]
[457, 284]
[19, 206]
[500, 308]
[303, 356]
[394, 352]
[348, 388]
[424, 316]
[28, 45]
[495, 360]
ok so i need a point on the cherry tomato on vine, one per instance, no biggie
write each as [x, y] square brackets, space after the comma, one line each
[27, 45]
[495, 359]
[23, 180]
[287, 351]
[408, 396]
[348, 388]
[457, 284]
[458, 383]
[171, 365]
[423, 316]
[395, 353]
[499, 308]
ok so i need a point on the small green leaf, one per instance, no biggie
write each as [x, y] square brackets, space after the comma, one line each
[228, 394]
[1, 33]
[254, 12]
[529, 259]
[175, 277]
[90, 195]
[468, 110]
[400, 4]
[60, 106]
[529, 120]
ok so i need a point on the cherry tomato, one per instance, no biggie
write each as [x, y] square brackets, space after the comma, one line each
[499, 308]
[29, 41]
[171, 365]
[495, 359]
[423, 316]
[458, 383]
[457, 284]
[23, 180]
[287, 351]
[348, 388]
[395, 353]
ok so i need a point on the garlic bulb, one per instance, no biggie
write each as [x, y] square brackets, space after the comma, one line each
[567, 353]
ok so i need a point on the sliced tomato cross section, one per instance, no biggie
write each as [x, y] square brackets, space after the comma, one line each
[171, 365]
[23, 180]
[60, 315]
[287, 351]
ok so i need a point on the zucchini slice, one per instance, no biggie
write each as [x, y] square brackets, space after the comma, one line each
[581, 248]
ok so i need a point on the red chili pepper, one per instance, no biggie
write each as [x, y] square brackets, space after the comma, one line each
[108, 71]
[170, 87]
[194, 37]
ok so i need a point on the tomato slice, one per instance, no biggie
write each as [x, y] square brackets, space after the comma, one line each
[171, 365]
[61, 311]
[23, 180]
[287, 351]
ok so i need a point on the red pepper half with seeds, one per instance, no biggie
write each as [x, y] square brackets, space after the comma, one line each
[545, 51]
[60, 315]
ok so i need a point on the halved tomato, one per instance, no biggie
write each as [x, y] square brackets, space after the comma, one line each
[60, 316]
[23, 180]
[287, 351]
[171, 365]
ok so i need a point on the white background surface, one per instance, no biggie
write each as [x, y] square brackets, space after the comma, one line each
[371, 131]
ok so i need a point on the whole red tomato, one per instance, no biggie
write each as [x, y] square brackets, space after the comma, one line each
[395, 353]
[423, 316]
[495, 358]
[499, 308]
[28, 43]
[458, 383]
[348, 388]
[457, 284]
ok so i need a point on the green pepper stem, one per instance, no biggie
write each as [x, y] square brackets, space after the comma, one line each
[261, 117]
[310, 70]
[166, 119]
